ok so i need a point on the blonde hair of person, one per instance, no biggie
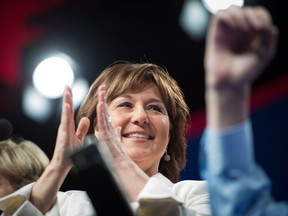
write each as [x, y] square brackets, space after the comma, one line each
[21, 163]
[124, 76]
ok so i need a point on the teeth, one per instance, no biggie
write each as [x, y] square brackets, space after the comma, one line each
[138, 136]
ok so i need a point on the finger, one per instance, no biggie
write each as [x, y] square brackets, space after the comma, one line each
[262, 23]
[71, 111]
[102, 106]
[66, 109]
[82, 128]
[258, 18]
[229, 18]
[237, 18]
[102, 117]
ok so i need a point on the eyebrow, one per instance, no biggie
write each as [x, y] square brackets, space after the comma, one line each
[159, 100]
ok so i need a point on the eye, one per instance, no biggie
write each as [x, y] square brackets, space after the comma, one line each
[125, 104]
[155, 108]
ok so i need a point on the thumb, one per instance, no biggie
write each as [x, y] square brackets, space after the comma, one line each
[82, 128]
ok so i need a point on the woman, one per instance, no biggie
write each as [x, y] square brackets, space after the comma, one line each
[141, 116]
[21, 164]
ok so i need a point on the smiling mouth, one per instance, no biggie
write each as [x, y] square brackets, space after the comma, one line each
[137, 135]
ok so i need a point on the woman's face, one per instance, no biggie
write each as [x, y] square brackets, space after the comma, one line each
[145, 126]
[5, 186]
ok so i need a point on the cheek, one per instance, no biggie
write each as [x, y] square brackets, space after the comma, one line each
[118, 120]
[163, 127]
[5, 187]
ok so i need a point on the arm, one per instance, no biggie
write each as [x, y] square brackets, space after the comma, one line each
[240, 43]
[237, 185]
[44, 191]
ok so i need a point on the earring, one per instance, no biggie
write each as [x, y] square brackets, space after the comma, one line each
[167, 156]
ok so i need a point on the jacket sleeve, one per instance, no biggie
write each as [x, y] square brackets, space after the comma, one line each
[237, 185]
[72, 203]
[18, 204]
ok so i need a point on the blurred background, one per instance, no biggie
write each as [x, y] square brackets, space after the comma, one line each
[47, 44]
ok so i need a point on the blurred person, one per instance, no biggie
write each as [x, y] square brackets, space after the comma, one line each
[241, 42]
[22, 162]
[30, 183]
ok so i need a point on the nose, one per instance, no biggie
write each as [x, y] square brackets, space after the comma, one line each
[140, 116]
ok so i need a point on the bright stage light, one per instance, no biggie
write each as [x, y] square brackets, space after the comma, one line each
[80, 89]
[35, 106]
[214, 5]
[194, 19]
[52, 75]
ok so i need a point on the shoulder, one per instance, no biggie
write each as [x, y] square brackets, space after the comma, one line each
[196, 187]
[194, 194]
[192, 184]
[187, 187]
